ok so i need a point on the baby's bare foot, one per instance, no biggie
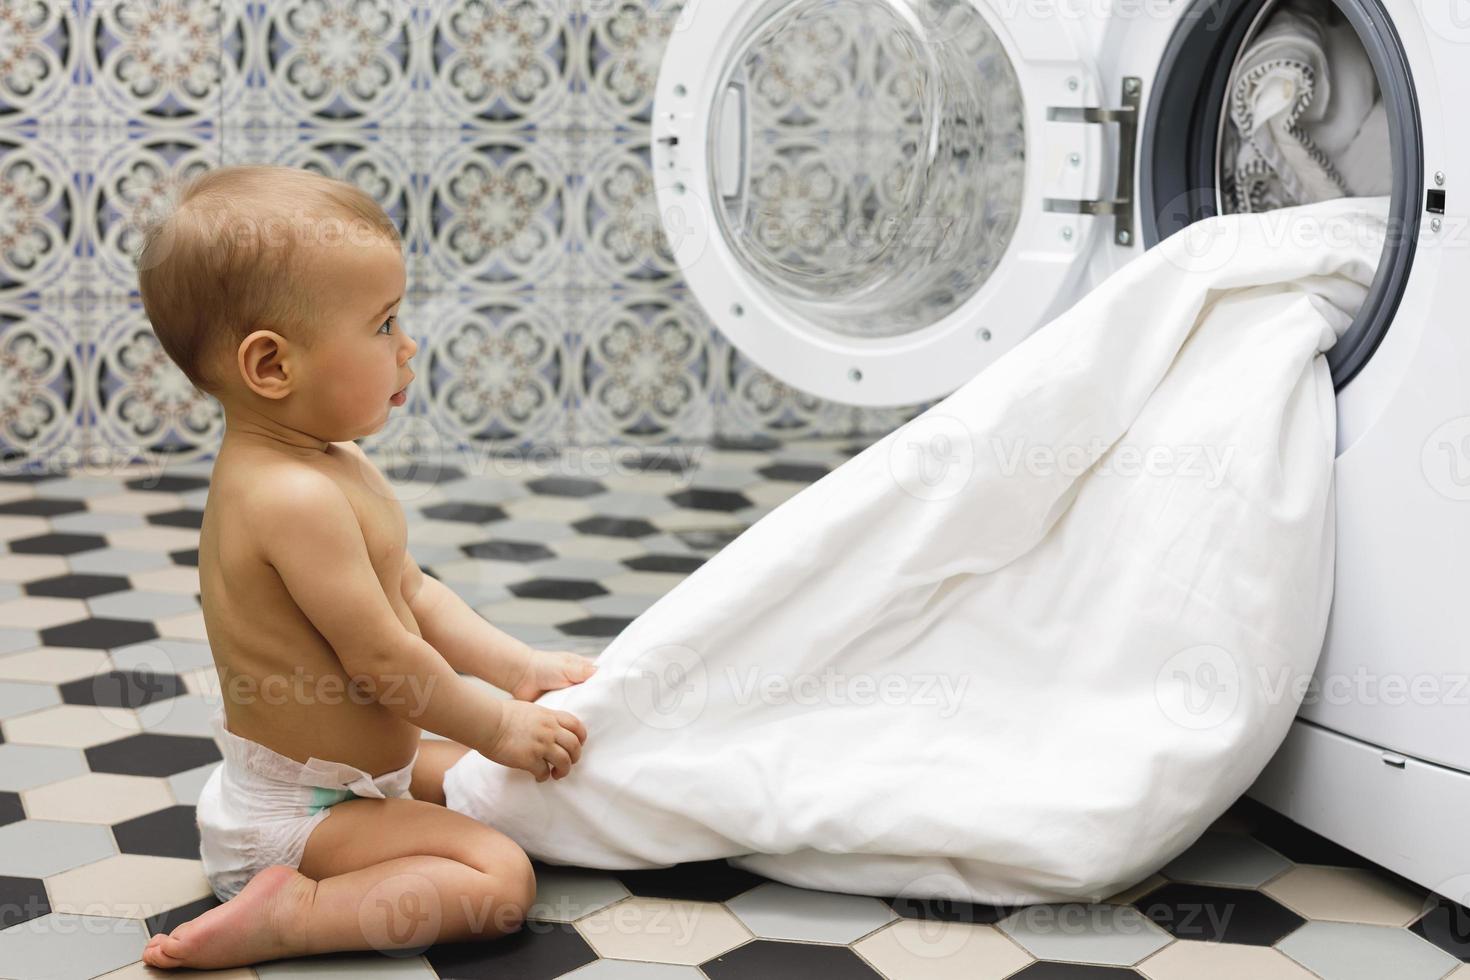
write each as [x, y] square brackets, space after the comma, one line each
[263, 922]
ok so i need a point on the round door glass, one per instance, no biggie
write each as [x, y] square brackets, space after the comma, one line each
[867, 159]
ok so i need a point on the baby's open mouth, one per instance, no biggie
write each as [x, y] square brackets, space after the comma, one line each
[400, 396]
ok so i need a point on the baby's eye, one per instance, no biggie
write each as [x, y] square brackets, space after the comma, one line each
[388, 323]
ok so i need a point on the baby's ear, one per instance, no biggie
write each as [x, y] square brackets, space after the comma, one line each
[262, 362]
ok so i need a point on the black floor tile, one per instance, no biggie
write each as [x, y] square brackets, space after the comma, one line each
[99, 634]
[707, 540]
[10, 808]
[57, 544]
[188, 557]
[122, 688]
[21, 900]
[77, 586]
[1047, 970]
[173, 918]
[698, 498]
[151, 754]
[466, 513]
[168, 484]
[41, 507]
[426, 471]
[755, 442]
[185, 517]
[565, 486]
[170, 832]
[1447, 925]
[603, 626]
[798, 472]
[556, 588]
[699, 881]
[1210, 913]
[536, 951]
[948, 910]
[678, 564]
[508, 550]
[615, 527]
[771, 959]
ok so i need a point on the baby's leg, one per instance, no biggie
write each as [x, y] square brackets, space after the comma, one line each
[376, 874]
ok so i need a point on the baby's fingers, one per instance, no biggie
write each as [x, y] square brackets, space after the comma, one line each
[572, 723]
[568, 741]
[561, 763]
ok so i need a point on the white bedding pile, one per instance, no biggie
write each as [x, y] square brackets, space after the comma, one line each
[1025, 648]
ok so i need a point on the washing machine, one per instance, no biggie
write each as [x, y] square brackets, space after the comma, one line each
[874, 199]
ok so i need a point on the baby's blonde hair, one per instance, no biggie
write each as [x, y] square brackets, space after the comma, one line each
[227, 259]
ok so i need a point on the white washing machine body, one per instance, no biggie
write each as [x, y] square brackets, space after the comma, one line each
[1119, 102]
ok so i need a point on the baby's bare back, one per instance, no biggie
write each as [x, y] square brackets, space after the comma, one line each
[282, 684]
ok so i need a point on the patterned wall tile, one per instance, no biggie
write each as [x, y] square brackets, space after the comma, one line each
[135, 400]
[43, 351]
[148, 63]
[625, 42]
[499, 210]
[321, 63]
[40, 209]
[493, 371]
[505, 66]
[641, 368]
[38, 44]
[623, 230]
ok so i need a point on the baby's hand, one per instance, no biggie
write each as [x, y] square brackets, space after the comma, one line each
[551, 671]
[542, 741]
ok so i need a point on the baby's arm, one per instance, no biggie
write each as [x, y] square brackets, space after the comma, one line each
[310, 534]
[466, 640]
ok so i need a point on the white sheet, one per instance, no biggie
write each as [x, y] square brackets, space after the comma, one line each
[1071, 617]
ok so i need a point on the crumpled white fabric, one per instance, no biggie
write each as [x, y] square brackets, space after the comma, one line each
[1008, 653]
[1302, 103]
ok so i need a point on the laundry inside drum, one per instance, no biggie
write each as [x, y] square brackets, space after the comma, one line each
[1304, 118]
[867, 159]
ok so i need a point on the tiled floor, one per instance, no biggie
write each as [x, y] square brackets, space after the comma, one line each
[106, 688]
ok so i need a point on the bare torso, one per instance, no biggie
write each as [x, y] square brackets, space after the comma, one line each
[282, 684]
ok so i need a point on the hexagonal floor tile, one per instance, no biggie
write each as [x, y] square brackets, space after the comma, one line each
[502, 550]
[1212, 914]
[778, 911]
[70, 725]
[911, 949]
[52, 665]
[21, 900]
[1226, 859]
[62, 946]
[23, 697]
[663, 930]
[151, 754]
[1077, 932]
[136, 604]
[1347, 951]
[170, 832]
[77, 586]
[99, 633]
[97, 797]
[39, 613]
[564, 894]
[774, 960]
[536, 951]
[467, 513]
[57, 544]
[40, 848]
[699, 881]
[1347, 895]
[1186, 959]
[128, 886]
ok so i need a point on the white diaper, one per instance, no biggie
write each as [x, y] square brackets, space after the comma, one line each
[258, 807]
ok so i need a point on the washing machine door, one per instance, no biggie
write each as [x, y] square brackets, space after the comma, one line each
[874, 199]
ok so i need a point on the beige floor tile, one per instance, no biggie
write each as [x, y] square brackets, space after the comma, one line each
[53, 665]
[142, 971]
[40, 612]
[128, 886]
[178, 578]
[663, 930]
[658, 483]
[97, 797]
[155, 538]
[28, 568]
[772, 493]
[202, 680]
[538, 611]
[135, 503]
[452, 533]
[1189, 960]
[594, 546]
[642, 583]
[77, 726]
[473, 571]
[184, 626]
[689, 518]
[565, 509]
[1346, 895]
[913, 949]
[1127, 895]
[15, 491]
[14, 526]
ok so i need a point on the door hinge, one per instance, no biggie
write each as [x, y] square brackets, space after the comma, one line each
[1126, 116]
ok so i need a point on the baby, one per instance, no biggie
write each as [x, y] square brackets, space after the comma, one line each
[330, 824]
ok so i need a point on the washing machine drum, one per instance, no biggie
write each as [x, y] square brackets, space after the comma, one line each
[873, 199]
